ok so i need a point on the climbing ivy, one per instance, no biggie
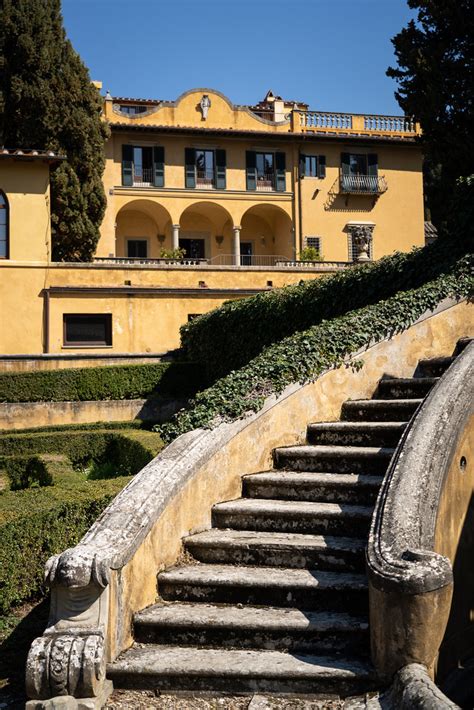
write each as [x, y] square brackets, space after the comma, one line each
[301, 357]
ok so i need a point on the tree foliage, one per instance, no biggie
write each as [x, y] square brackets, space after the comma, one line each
[49, 103]
[435, 76]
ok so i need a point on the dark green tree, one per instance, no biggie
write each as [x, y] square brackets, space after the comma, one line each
[50, 103]
[435, 75]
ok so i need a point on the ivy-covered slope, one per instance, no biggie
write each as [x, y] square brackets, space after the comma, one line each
[302, 356]
[230, 336]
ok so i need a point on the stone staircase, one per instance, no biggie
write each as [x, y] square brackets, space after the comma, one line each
[275, 598]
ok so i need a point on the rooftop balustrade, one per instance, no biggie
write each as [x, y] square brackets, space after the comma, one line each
[351, 124]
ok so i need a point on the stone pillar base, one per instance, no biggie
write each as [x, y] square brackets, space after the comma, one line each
[68, 702]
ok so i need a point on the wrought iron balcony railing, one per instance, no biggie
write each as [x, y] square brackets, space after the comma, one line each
[363, 184]
[142, 177]
[265, 182]
[205, 179]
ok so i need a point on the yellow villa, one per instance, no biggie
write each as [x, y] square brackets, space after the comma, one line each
[243, 191]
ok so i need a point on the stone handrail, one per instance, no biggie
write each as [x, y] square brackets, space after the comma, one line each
[348, 123]
[98, 585]
[410, 580]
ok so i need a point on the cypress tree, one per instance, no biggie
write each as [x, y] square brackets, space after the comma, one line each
[50, 103]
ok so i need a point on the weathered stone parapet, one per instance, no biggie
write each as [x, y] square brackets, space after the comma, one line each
[413, 528]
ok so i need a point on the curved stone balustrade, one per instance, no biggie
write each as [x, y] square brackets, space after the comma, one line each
[417, 524]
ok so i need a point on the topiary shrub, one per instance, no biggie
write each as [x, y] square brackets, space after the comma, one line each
[27, 472]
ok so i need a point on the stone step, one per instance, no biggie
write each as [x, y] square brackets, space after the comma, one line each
[308, 589]
[355, 433]
[293, 516]
[380, 410]
[333, 459]
[238, 671]
[271, 628]
[313, 486]
[435, 366]
[272, 549]
[405, 388]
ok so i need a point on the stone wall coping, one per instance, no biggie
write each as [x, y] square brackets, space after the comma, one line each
[400, 553]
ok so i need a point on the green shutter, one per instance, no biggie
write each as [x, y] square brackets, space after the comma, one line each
[280, 164]
[127, 165]
[220, 169]
[346, 163]
[190, 167]
[158, 166]
[321, 166]
[372, 164]
[251, 168]
[302, 164]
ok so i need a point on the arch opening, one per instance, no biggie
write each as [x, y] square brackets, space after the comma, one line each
[143, 230]
[4, 227]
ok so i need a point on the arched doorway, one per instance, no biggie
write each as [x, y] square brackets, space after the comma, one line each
[266, 236]
[205, 231]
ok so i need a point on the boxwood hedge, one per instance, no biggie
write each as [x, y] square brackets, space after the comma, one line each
[37, 523]
[231, 335]
[179, 379]
[130, 450]
[302, 356]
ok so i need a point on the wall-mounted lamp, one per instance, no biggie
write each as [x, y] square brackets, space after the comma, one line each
[219, 239]
[263, 241]
[161, 238]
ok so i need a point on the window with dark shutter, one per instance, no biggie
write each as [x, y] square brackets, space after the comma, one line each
[372, 164]
[251, 169]
[127, 165]
[220, 170]
[4, 227]
[280, 165]
[321, 167]
[158, 166]
[190, 167]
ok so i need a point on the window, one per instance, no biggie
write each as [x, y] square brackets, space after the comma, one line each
[205, 168]
[137, 248]
[143, 166]
[313, 243]
[133, 110]
[4, 227]
[359, 172]
[313, 166]
[265, 171]
[87, 329]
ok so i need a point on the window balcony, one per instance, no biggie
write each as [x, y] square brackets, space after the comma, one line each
[265, 182]
[205, 179]
[142, 177]
[363, 184]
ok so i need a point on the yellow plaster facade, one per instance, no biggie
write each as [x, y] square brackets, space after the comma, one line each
[242, 189]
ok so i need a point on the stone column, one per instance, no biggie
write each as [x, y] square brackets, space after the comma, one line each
[175, 237]
[236, 246]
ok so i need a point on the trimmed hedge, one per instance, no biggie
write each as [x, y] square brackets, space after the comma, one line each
[130, 451]
[231, 335]
[38, 523]
[305, 355]
[180, 379]
[27, 472]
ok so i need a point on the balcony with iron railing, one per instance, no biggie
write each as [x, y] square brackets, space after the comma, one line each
[265, 182]
[362, 184]
[205, 179]
[142, 177]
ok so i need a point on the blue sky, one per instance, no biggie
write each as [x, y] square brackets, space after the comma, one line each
[331, 54]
